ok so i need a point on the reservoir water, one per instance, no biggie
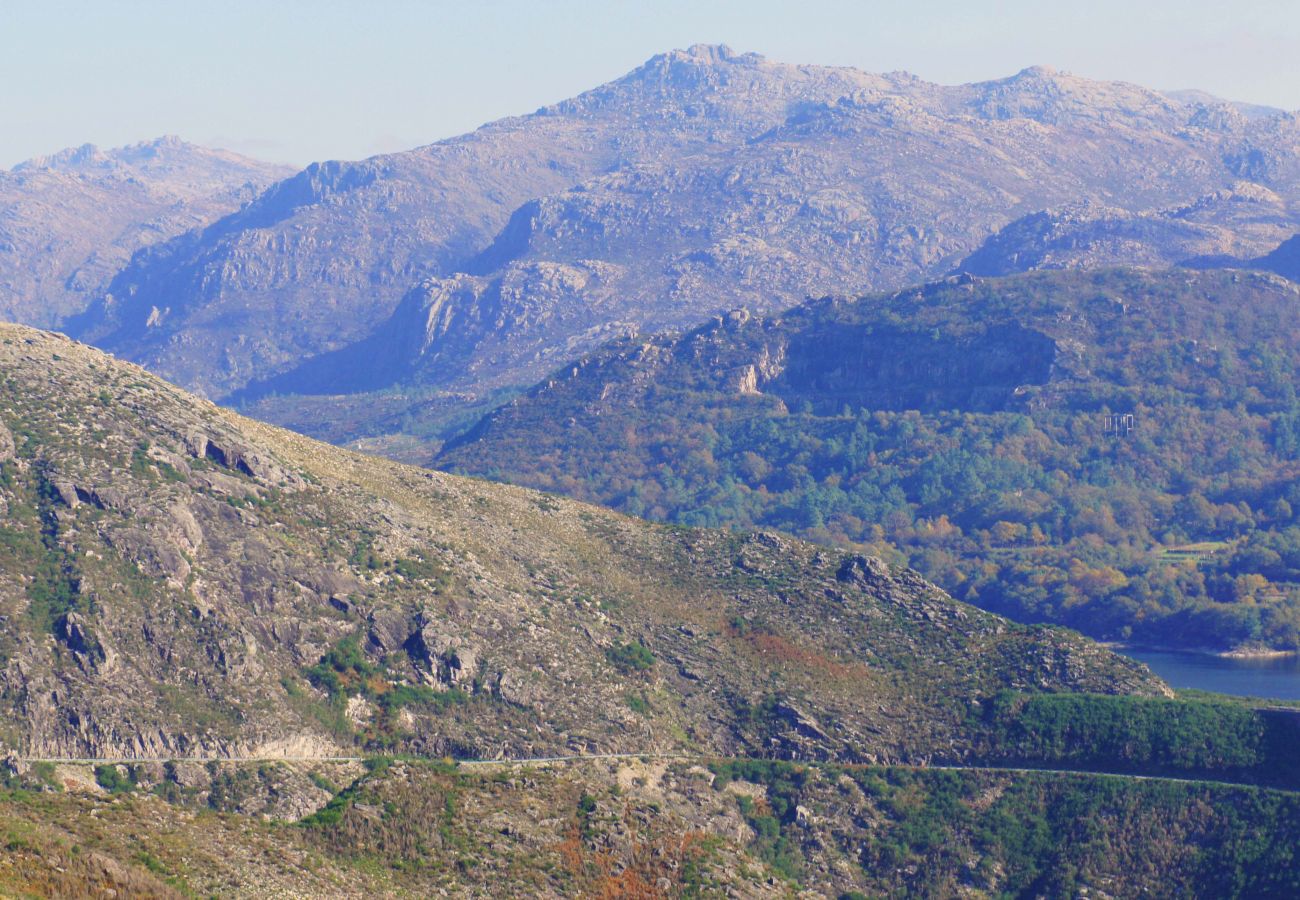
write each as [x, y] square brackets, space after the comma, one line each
[1276, 678]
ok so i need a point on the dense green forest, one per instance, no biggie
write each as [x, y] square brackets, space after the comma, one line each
[966, 428]
[1186, 737]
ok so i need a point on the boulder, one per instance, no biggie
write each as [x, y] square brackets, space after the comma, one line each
[237, 457]
[186, 530]
[154, 557]
[862, 570]
[67, 493]
[390, 629]
[803, 723]
[450, 659]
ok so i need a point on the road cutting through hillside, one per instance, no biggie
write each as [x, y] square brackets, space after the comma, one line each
[647, 757]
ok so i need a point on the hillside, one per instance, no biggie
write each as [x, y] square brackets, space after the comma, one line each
[662, 830]
[1218, 230]
[180, 586]
[70, 221]
[1284, 260]
[179, 581]
[962, 427]
[702, 180]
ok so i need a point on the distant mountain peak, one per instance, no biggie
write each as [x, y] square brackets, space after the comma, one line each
[1037, 72]
[70, 158]
[73, 218]
[90, 156]
[1053, 96]
[1252, 111]
[692, 59]
[712, 53]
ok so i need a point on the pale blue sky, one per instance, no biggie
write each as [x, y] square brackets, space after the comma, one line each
[294, 81]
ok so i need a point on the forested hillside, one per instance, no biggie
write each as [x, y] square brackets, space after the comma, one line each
[1112, 450]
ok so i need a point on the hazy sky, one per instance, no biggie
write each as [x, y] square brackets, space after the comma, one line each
[295, 81]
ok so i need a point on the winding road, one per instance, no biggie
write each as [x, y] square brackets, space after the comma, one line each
[655, 757]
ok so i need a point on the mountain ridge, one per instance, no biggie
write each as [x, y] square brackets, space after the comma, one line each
[702, 180]
[71, 219]
[962, 425]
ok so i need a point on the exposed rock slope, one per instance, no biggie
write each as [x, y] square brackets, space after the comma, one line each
[1224, 228]
[321, 259]
[176, 580]
[702, 180]
[70, 221]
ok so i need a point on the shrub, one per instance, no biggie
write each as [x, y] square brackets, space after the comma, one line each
[115, 779]
[630, 657]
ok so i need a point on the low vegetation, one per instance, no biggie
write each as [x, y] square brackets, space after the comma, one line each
[627, 829]
[1202, 738]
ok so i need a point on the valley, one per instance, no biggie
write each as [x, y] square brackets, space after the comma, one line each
[337, 620]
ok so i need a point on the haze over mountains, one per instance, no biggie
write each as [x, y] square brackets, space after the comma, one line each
[701, 181]
[70, 221]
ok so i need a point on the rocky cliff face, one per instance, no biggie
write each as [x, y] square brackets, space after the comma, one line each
[175, 580]
[70, 221]
[701, 181]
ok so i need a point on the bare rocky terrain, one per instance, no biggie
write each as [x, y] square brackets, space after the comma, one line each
[70, 221]
[322, 259]
[1224, 228]
[701, 181]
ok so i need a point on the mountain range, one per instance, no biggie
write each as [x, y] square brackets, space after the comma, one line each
[896, 378]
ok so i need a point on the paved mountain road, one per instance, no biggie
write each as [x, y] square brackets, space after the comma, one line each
[660, 757]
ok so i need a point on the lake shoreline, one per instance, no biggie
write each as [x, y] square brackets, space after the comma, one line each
[1265, 677]
[1239, 653]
